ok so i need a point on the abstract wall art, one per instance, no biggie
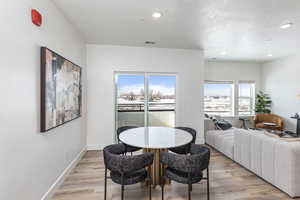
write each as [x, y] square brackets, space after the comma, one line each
[60, 90]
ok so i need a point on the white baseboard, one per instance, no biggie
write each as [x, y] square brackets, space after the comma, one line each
[63, 176]
[94, 147]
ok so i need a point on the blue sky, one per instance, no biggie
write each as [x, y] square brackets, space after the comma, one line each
[127, 80]
[165, 84]
[217, 90]
[245, 90]
[225, 90]
[167, 81]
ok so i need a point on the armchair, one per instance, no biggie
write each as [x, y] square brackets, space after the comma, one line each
[126, 170]
[186, 169]
[262, 118]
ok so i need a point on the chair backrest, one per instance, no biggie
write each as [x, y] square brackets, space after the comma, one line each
[112, 156]
[114, 159]
[204, 152]
[194, 163]
[192, 131]
[124, 128]
[264, 117]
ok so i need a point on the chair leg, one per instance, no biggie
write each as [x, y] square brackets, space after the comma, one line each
[122, 188]
[122, 192]
[208, 195]
[189, 185]
[105, 184]
[162, 179]
[150, 193]
[162, 192]
[189, 189]
[149, 182]
[162, 185]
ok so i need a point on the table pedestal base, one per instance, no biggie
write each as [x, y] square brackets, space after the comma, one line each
[156, 168]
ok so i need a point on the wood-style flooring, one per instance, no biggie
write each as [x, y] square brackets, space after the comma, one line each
[229, 181]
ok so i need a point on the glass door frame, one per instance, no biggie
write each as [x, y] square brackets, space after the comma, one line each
[146, 89]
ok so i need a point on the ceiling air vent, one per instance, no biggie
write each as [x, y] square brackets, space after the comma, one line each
[150, 42]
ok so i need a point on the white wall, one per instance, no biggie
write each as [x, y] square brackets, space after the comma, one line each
[30, 161]
[233, 71]
[103, 61]
[281, 80]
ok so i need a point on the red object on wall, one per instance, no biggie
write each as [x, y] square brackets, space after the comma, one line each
[36, 17]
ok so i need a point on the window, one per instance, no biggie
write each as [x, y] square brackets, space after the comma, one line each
[219, 98]
[145, 99]
[246, 98]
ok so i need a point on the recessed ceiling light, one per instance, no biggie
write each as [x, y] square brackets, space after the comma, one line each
[268, 40]
[156, 15]
[150, 42]
[270, 55]
[286, 25]
[223, 53]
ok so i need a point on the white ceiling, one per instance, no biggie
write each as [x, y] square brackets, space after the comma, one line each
[247, 30]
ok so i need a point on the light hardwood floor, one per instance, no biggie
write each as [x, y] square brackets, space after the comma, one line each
[229, 181]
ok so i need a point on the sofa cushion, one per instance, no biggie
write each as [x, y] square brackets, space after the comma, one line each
[228, 147]
[224, 143]
[242, 147]
[287, 163]
[256, 145]
[267, 158]
[221, 140]
[211, 136]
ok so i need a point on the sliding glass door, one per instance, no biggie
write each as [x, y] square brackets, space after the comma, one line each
[144, 99]
[130, 100]
[161, 100]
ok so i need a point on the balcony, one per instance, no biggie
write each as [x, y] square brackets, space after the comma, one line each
[160, 114]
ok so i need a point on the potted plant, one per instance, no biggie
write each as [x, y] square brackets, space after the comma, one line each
[263, 103]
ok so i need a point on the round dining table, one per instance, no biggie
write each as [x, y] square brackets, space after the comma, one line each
[156, 140]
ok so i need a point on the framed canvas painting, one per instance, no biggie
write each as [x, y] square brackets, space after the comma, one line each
[60, 90]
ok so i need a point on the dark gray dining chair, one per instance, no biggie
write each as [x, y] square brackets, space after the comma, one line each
[129, 149]
[185, 149]
[126, 170]
[186, 169]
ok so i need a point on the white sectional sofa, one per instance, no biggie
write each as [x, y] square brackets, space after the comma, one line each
[223, 141]
[275, 160]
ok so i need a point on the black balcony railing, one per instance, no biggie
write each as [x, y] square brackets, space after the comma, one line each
[140, 107]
